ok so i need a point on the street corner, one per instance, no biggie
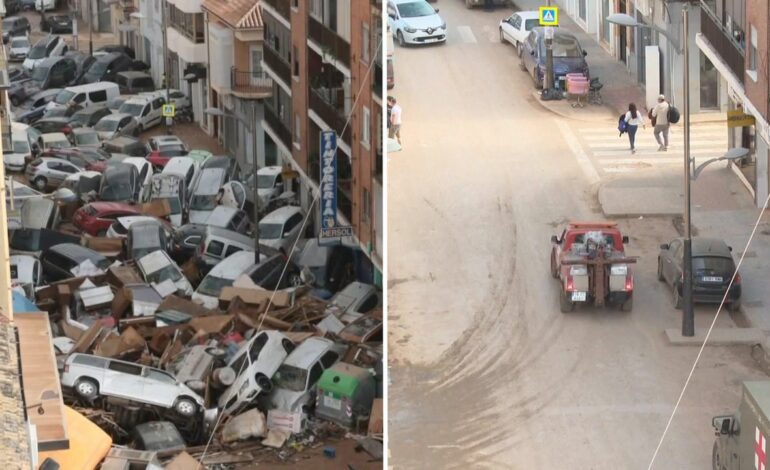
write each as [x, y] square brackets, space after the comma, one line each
[570, 108]
[718, 337]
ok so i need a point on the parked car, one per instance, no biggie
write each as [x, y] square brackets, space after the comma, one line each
[229, 218]
[85, 95]
[125, 145]
[165, 147]
[86, 158]
[118, 48]
[269, 184]
[294, 381]
[91, 377]
[254, 364]
[353, 301]
[145, 237]
[119, 183]
[90, 116]
[218, 244]
[157, 267]
[106, 67]
[14, 26]
[515, 28]
[49, 46]
[46, 173]
[12, 7]
[83, 62]
[48, 125]
[176, 97]
[146, 110]
[85, 137]
[45, 5]
[119, 228]
[56, 24]
[113, 125]
[53, 140]
[203, 197]
[60, 260]
[712, 270]
[19, 48]
[568, 56]
[54, 72]
[415, 22]
[132, 82]
[97, 217]
[281, 228]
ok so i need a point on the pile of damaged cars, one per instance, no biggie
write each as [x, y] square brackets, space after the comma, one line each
[170, 332]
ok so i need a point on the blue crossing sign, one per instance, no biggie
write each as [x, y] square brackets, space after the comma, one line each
[549, 16]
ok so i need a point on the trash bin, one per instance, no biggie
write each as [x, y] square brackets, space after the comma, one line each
[345, 393]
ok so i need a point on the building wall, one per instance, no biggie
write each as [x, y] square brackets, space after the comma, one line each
[300, 85]
[758, 16]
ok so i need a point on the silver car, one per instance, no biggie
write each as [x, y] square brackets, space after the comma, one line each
[93, 376]
[48, 172]
[116, 125]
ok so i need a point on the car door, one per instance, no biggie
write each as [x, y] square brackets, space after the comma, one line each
[160, 388]
[530, 54]
[291, 230]
[123, 380]
[671, 265]
[64, 170]
[509, 26]
[157, 107]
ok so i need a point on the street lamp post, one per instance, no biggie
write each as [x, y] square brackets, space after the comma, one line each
[255, 207]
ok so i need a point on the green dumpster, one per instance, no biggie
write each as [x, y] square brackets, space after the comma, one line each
[345, 393]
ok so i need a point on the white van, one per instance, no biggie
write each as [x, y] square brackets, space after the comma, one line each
[15, 157]
[147, 110]
[45, 5]
[223, 275]
[85, 95]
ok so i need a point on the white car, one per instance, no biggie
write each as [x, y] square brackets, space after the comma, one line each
[114, 125]
[54, 140]
[281, 228]
[293, 382]
[15, 158]
[19, 48]
[269, 184]
[49, 46]
[26, 272]
[254, 364]
[415, 22]
[223, 275]
[516, 27]
[157, 267]
[146, 109]
[178, 99]
[119, 228]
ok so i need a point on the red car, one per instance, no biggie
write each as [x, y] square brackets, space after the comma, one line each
[95, 218]
[163, 148]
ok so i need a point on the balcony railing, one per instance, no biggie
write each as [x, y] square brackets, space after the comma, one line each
[331, 114]
[246, 82]
[281, 6]
[275, 123]
[731, 53]
[277, 64]
[377, 81]
[329, 41]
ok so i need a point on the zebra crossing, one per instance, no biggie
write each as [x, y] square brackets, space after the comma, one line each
[611, 154]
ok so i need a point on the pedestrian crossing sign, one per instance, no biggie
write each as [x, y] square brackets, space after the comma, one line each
[549, 16]
[168, 110]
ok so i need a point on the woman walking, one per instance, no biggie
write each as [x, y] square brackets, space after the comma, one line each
[634, 119]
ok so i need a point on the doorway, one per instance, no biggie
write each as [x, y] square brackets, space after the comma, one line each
[709, 84]
[622, 38]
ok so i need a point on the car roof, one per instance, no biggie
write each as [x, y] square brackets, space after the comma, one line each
[163, 139]
[221, 214]
[528, 15]
[83, 130]
[136, 99]
[128, 220]
[234, 265]
[76, 252]
[308, 352]
[281, 214]
[704, 246]
[270, 170]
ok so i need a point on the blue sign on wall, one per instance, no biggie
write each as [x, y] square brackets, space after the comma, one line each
[328, 189]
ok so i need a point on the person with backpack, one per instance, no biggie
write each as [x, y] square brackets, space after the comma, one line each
[633, 120]
[661, 125]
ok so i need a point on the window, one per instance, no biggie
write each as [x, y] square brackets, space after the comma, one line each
[365, 210]
[89, 360]
[158, 375]
[582, 9]
[315, 373]
[295, 62]
[125, 368]
[215, 248]
[328, 359]
[365, 42]
[79, 98]
[256, 346]
[256, 61]
[516, 21]
[752, 69]
[231, 249]
[297, 129]
[366, 128]
[369, 303]
[295, 3]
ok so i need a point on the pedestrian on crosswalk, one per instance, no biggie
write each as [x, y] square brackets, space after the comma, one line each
[634, 119]
[660, 114]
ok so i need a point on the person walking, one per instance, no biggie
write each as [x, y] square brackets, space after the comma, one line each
[395, 119]
[634, 119]
[660, 113]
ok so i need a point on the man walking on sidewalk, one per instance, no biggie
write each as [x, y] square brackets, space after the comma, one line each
[660, 114]
[395, 119]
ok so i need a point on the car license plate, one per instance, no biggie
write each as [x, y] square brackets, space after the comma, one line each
[712, 278]
[332, 402]
[578, 296]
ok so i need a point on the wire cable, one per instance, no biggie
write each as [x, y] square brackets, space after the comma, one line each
[708, 334]
[294, 245]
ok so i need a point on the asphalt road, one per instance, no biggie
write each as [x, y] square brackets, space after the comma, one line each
[485, 371]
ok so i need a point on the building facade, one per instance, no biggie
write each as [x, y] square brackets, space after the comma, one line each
[324, 58]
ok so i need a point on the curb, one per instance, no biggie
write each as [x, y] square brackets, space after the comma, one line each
[544, 105]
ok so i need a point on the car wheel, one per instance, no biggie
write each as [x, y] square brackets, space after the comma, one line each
[677, 298]
[263, 383]
[87, 389]
[554, 269]
[185, 407]
[40, 183]
[715, 457]
[565, 304]
[502, 36]
[401, 41]
[660, 271]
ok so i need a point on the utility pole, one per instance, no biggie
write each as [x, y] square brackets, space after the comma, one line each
[166, 65]
[256, 180]
[548, 81]
[688, 313]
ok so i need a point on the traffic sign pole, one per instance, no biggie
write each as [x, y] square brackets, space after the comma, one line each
[548, 83]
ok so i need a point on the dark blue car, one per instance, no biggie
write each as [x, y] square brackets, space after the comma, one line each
[568, 56]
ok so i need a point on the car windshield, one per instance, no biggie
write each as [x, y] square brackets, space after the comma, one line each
[205, 202]
[39, 73]
[165, 273]
[98, 68]
[212, 285]
[117, 192]
[19, 42]
[63, 96]
[132, 109]
[415, 9]
[291, 378]
[564, 47]
[8, 24]
[20, 146]
[87, 138]
[265, 181]
[37, 52]
[270, 231]
[529, 24]
[106, 125]
[713, 264]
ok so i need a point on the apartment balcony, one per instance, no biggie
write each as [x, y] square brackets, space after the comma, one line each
[276, 125]
[328, 104]
[276, 63]
[329, 40]
[724, 44]
[252, 85]
[281, 6]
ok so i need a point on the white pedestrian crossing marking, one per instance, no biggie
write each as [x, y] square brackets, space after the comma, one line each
[610, 153]
[466, 34]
